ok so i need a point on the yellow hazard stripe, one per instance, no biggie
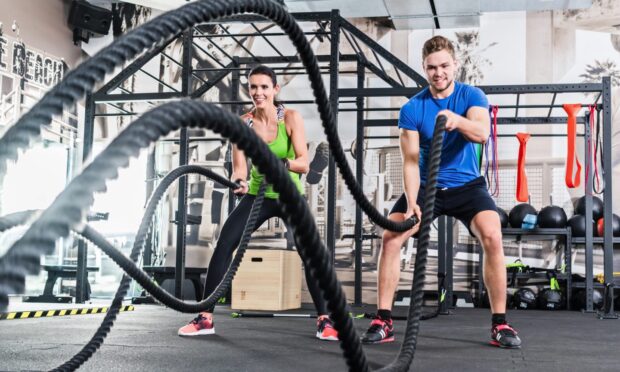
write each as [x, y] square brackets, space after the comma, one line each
[63, 312]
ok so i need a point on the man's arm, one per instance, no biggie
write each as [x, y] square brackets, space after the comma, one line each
[475, 126]
[410, 151]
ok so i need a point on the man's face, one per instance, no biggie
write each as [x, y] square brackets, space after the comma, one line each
[440, 69]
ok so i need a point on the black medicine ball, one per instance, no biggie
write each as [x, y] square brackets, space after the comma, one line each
[524, 298]
[518, 213]
[577, 224]
[579, 299]
[552, 217]
[549, 299]
[597, 207]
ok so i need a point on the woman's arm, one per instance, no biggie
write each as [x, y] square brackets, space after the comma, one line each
[296, 131]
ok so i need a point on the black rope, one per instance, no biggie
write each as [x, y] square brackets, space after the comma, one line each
[12, 220]
[67, 211]
[407, 350]
[129, 266]
[160, 30]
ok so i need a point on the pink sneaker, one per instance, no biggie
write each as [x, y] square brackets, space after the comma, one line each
[200, 325]
[325, 329]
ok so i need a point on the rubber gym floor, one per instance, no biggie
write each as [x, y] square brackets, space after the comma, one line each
[145, 339]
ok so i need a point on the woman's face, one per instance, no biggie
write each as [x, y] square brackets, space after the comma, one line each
[262, 90]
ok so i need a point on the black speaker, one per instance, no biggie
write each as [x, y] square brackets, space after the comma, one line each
[85, 18]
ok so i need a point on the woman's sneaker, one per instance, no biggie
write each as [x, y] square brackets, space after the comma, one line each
[325, 329]
[380, 331]
[200, 325]
[503, 335]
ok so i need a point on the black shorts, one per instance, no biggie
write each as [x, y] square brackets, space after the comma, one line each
[461, 202]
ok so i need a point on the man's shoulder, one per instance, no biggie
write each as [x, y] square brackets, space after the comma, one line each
[464, 88]
[418, 99]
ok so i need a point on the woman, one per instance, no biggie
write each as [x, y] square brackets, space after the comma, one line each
[283, 130]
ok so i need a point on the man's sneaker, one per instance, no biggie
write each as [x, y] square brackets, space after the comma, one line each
[380, 331]
[503, 335]
[325, 329]
[200, 325]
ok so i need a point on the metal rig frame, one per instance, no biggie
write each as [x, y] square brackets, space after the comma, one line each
[400, 80]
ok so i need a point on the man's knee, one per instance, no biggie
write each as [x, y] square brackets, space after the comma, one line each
[491, 240]
[392, 242]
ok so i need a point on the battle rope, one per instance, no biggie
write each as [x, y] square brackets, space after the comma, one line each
[76, 87]
[407, 350]
[161, 30]
[128, 264]
[67, 211]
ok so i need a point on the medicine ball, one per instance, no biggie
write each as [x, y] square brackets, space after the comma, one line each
[524, 298]
[579, 299]
[577, 224]
[518, 213]
[615, 226]
[549, 299]
[597, 207]
[503, 217]
[552, 217]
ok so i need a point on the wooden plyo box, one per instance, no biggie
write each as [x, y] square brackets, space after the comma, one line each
[268, 279]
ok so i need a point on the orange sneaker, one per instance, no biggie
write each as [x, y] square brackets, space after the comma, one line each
[325, 329]
[200, 325]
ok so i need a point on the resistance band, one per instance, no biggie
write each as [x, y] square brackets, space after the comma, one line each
[571, 156]
[598, 149]
[522, 192]
[590, 122]
[492, 177]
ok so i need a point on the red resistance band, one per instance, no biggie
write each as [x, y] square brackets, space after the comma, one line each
[593, 134]
[571, 156]
[522, 192]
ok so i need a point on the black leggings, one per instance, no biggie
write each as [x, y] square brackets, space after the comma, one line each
[230, 237]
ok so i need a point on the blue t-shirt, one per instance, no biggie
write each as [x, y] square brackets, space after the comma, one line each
[459, 159]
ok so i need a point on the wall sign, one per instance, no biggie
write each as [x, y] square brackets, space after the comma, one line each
[37, 67]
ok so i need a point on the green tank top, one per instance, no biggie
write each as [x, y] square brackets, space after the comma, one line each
[282, 147]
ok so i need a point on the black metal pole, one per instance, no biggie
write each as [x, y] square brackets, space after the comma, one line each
[589, 230]
[359, 173]
[179, 275]
[330, 224]
[151, 176]
[441, 261]
[608, 248]
[449, 282]
[81, 275]
[234, 96]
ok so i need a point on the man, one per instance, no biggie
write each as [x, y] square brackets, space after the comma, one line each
[461, 190]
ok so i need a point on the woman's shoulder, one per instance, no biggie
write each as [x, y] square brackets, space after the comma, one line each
[291, 114]
[247, 117]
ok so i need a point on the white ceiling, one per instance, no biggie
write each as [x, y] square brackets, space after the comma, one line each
[410, 14]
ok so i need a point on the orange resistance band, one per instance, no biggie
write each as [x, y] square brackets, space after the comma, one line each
[522, 192]
[571, 156]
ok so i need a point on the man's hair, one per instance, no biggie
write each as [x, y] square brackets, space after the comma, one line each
[436, 44]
